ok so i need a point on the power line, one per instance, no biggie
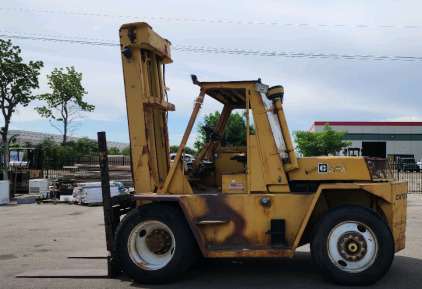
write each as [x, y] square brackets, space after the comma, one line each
[294, 54]
[57, 38]
[217, 50]
[210, 20]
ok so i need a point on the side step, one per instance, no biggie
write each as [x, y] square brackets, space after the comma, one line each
[278, 233]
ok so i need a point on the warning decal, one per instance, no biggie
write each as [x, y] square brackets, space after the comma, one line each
[236, 187]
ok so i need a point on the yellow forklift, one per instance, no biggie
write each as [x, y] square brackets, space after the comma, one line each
[257, 200]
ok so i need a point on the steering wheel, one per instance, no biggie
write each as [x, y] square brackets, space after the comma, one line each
[213, 135]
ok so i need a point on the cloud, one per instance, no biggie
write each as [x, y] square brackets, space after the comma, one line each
[316, 89]
[404, 118]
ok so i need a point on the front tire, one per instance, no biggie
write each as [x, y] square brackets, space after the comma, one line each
[352, 245]
[154, 244]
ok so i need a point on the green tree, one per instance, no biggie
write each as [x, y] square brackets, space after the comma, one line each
[320, 143]
[125, 151]
[113, 151]
[13, 142]
[235, 133]
[188, 150]
[173, 149]
[27, 144]
[49, 146]
[83, 147]
[65, 104]
[17, 80]
[210, 120]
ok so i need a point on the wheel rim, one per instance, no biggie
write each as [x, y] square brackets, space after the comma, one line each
[151, 245]
[352, 246]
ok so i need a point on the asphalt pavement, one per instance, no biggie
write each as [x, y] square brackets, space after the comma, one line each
[42, 236]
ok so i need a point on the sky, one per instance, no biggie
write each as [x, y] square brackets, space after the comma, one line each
[363, 58]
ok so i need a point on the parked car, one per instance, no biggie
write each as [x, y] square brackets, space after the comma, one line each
[204, 168]
[189, 159]
[407, 165]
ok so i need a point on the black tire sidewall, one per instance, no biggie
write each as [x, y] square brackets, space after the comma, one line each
[371, 219]
[171, 217]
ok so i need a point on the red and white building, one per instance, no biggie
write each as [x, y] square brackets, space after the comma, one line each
[379, 139]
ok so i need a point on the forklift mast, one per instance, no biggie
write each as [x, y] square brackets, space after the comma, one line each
[144, 55]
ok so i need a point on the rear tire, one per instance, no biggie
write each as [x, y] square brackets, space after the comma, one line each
[352, 245]
[154, 244]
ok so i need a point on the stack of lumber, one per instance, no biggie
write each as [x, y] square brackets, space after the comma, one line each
[66, 181]
[91, 193]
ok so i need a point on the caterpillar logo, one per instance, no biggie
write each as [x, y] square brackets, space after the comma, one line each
[322, 168]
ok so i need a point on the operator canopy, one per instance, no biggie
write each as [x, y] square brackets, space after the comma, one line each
[233, 93]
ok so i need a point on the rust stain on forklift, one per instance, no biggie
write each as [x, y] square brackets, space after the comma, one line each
[257, 200]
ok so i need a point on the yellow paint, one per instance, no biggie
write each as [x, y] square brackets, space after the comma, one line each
[396, 212]
[234, 183]
[255, 170]
[338, 168]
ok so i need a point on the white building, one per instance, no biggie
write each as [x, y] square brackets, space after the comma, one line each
[35, 138]
[380, 139]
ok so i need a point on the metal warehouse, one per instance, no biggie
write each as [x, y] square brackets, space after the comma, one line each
[379, 139]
